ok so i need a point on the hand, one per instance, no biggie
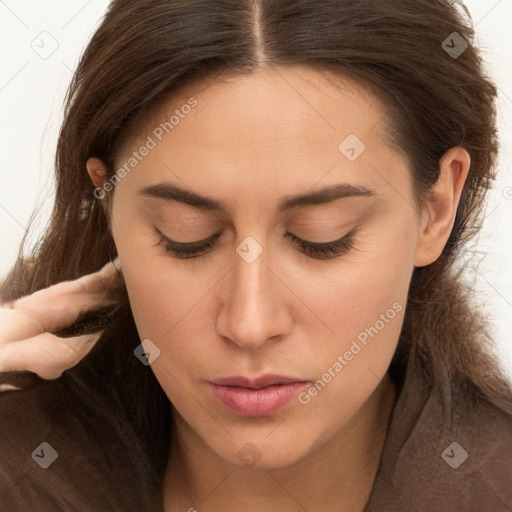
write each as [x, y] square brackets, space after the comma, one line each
[26, 342]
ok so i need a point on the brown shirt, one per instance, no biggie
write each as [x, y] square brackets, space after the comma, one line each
[437, 458]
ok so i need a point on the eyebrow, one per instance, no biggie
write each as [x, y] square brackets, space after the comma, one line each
[171, 192]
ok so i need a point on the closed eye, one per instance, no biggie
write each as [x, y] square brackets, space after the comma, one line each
[324, 250]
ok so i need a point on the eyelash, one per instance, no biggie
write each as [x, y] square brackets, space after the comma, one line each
[323, 251]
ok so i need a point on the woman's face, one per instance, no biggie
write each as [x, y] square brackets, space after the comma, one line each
[255, 302]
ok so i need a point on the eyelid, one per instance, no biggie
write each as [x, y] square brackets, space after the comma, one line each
[316, 250]
[320, 244]
[199, 243]
[186, 245]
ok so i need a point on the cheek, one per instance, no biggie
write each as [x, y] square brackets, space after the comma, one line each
[160, 302]
[163, 311]
[364, 318]
[349, 364]
[156, 291]
[358, 290]
[172, 308]
[362, 306]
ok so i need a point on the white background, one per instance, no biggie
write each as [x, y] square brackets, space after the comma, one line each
[32, 92]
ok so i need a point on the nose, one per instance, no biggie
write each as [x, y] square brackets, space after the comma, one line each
[254, 304]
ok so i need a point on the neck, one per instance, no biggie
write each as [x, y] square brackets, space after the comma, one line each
[341, 470]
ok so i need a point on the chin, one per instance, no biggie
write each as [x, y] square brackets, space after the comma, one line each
[264, 453]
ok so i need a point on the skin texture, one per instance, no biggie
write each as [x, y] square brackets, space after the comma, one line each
[249, 142]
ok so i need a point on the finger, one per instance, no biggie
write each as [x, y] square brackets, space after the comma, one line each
[16, 381]
[59, 306]
[17, 326]
[102, 282]
[46, 354]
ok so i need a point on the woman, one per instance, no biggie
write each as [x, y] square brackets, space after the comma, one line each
[286, 186]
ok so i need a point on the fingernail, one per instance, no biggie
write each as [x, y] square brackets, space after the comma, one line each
[117, 264]
[9, 387]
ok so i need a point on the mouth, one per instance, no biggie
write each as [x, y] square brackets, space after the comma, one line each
[263, 396]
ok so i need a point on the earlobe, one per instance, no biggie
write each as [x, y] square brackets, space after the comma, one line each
[441, 206]
[97, 171]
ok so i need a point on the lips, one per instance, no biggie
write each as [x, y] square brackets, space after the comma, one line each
[262, 396]
[257, 383]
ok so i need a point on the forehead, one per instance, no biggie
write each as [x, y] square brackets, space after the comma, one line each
[288, 128]
[295, 102]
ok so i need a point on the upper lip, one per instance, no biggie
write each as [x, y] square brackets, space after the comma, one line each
[256, 383]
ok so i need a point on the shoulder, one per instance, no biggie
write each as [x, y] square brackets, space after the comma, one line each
[448, 450]
[56, 453]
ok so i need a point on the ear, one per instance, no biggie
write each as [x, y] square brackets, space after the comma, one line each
[440, 210]
[97, 171]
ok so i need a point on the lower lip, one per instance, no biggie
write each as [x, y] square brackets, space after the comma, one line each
[256, 402]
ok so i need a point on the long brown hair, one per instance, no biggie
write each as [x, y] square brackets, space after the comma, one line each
[143, 51]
